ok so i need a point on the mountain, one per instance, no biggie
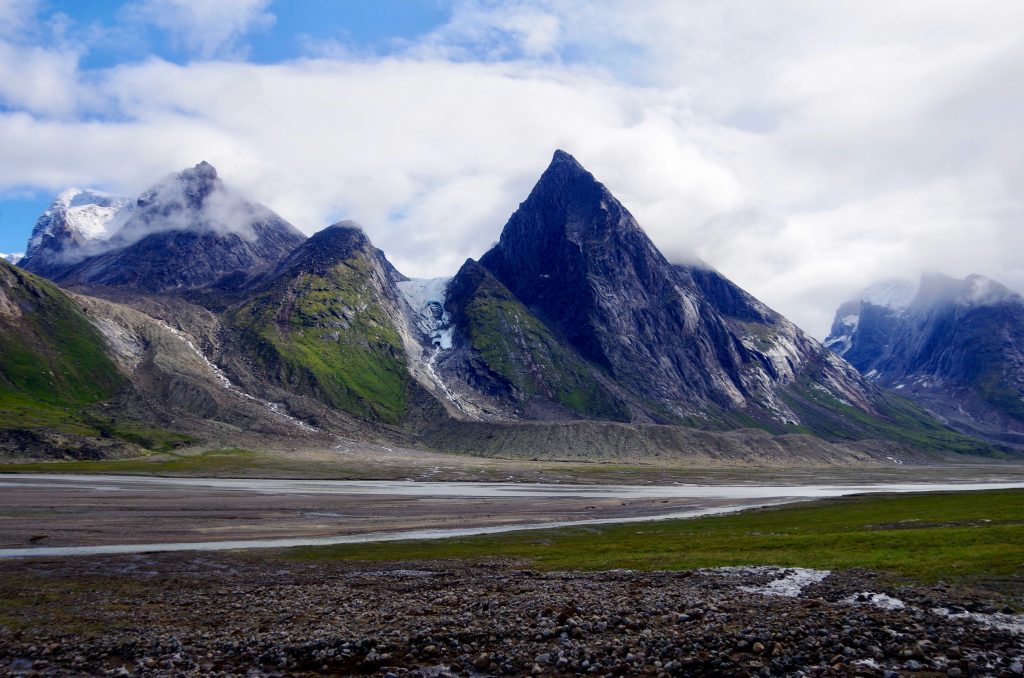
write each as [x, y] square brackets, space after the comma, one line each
[12, 258]
[187, 232]
[224, 323]
[575, 314]
[86, 378]
[74, 226]
[327, 322]
[954, 346]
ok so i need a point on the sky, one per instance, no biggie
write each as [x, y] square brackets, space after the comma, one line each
[803, 148]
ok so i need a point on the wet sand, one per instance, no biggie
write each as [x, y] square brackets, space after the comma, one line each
[50, 511]
[75, 514]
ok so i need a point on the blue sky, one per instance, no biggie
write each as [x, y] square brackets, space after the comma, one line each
[373, 26]
[804, 149]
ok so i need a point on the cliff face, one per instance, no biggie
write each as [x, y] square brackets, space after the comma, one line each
[955, 346]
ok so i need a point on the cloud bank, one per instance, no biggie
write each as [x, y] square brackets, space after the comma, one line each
[803, 149]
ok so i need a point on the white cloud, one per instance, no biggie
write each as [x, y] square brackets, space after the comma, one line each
[803, 149]
[490, 30]
[16, 16]
[206, 28]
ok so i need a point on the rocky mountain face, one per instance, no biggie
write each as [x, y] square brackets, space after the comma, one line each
[576, 314]
[223, 318]
[186, 232]
[954, 346]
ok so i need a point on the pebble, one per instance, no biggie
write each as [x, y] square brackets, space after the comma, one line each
[249, 618]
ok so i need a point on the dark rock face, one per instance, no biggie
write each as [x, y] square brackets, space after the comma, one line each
[187, 232]
[505, 351]
[956, 346]
[576, 257]
[325, 248]
[683, 337]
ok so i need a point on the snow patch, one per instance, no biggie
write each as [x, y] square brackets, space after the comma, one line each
[789, 582]
[1014, 623]
[879, 600]
[426, 297]
[83, 216]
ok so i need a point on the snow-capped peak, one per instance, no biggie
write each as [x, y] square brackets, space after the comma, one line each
[80, 216]
[12, 258]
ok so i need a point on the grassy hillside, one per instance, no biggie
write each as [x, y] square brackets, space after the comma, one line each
[327, 334]
[54, 370]
[53, 362]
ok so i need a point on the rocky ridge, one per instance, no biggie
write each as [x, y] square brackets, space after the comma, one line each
[954, 346]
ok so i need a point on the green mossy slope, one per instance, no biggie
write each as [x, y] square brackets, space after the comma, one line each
[324, 331]
[53, 362]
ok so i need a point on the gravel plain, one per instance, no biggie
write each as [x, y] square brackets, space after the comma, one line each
[236, 614]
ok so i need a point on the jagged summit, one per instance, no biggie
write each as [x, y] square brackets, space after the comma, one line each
[953, 345]
[564, 164]
[680, 343]
[189, 230]
[194, 184]
[567, 202]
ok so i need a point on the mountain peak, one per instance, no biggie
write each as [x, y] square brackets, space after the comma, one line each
[563, 170]
[325, 249]
[202, 169]
[197, 183]
[565, 159]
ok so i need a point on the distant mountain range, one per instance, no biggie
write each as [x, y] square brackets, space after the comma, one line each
[224, 321]
[954, 346]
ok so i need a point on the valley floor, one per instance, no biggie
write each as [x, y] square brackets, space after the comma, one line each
[349, 460]
[926, 584]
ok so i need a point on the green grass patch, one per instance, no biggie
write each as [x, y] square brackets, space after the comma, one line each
[52, 360]
[328, 335]
[210, 462]
[928, 537]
